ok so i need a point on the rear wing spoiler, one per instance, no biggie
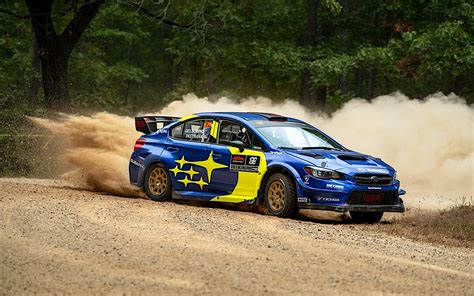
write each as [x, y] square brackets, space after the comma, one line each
[150, 124]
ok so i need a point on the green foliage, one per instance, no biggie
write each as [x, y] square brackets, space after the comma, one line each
[128, 61]
[332, 5]
[15, 50]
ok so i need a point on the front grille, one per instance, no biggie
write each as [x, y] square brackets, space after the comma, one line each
[373, 179]
[360, 198]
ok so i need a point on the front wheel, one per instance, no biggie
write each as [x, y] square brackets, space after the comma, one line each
[157, 183]
[366, 217]
[280, 196]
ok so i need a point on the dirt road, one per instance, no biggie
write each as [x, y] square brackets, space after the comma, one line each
[57, 238]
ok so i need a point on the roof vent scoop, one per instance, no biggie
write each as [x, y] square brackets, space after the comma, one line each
[271, 116]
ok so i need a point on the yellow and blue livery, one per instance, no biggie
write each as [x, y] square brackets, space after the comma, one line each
[253, 158]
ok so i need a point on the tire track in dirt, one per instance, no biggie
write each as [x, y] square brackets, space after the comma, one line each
[58, 238]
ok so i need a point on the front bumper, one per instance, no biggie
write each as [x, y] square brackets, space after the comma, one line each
[400, 208]
[344, 197]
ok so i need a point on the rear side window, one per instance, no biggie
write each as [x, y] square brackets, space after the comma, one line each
[193, 130]
[177, 131]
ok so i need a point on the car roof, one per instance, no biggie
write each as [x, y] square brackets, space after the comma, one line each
[250, 116]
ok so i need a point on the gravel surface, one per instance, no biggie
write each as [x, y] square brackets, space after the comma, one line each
[62, 239]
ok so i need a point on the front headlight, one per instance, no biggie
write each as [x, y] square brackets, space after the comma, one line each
[322, 173]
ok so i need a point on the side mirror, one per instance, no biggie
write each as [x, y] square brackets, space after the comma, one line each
[238, 144]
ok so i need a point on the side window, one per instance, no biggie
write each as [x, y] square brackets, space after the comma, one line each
[177, 131]
[230, 131]
[257, 144]
[197, 130]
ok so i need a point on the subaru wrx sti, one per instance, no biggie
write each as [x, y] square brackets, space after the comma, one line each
[259, 158]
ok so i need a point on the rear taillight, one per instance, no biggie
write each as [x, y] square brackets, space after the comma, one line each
[139, 144]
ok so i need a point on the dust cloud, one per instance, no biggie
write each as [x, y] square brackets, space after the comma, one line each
[430, 142]
[99, 150]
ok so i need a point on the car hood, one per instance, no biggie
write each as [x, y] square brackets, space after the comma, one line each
[346, 162]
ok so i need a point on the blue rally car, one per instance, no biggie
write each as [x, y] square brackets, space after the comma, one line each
[253, 158]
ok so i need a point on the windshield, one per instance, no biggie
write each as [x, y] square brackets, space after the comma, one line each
[297, 137]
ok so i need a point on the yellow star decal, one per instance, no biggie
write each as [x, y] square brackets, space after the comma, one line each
[185, 181]
[191, 172]
[181, 162]
[176, 171]
[201, 183]
[210, 165]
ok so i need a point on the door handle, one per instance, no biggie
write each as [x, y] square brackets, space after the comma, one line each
[172, 149]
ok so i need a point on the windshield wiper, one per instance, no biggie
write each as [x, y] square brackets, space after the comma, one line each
[320, 147]
[292, 148]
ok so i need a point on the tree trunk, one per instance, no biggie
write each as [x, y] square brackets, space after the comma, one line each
[371, 83]
[55, 82]
[305, 92]
[35, 81]
[54, 50]
[308, 96]
[359, 81]
[343, 81]
[321, 94]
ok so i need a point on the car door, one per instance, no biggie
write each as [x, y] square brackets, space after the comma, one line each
[186, 153]
[240, 180]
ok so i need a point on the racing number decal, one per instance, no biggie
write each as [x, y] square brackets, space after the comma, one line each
[244, 163]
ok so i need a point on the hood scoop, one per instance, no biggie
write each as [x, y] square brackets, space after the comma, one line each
[311, 154]
[352, 157]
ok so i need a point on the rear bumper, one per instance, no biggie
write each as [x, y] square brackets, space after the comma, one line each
[400, 208]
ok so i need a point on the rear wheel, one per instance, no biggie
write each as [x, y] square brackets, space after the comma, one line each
[280, 196]
[366, 217]
[157, 183]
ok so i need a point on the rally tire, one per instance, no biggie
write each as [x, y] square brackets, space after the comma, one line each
[157, 183]
[280, 196]
[366, 217]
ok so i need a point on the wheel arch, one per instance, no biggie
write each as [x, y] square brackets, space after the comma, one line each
[149, 163]
[277, 168]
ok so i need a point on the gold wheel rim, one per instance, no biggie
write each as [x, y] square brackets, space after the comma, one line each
[157, 181]
[276, 195]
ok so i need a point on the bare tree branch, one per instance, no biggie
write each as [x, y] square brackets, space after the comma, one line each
[160, 18]
[80, 22]
[23, 17]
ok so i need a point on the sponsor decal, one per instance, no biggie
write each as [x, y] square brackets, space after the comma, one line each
[302, 199]
[137, 163]
[306, 178]
[238, 159]
[244, 163]
[163, 131]
[375, 188]
[334, 186]
[373, 170]
[321, 198]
